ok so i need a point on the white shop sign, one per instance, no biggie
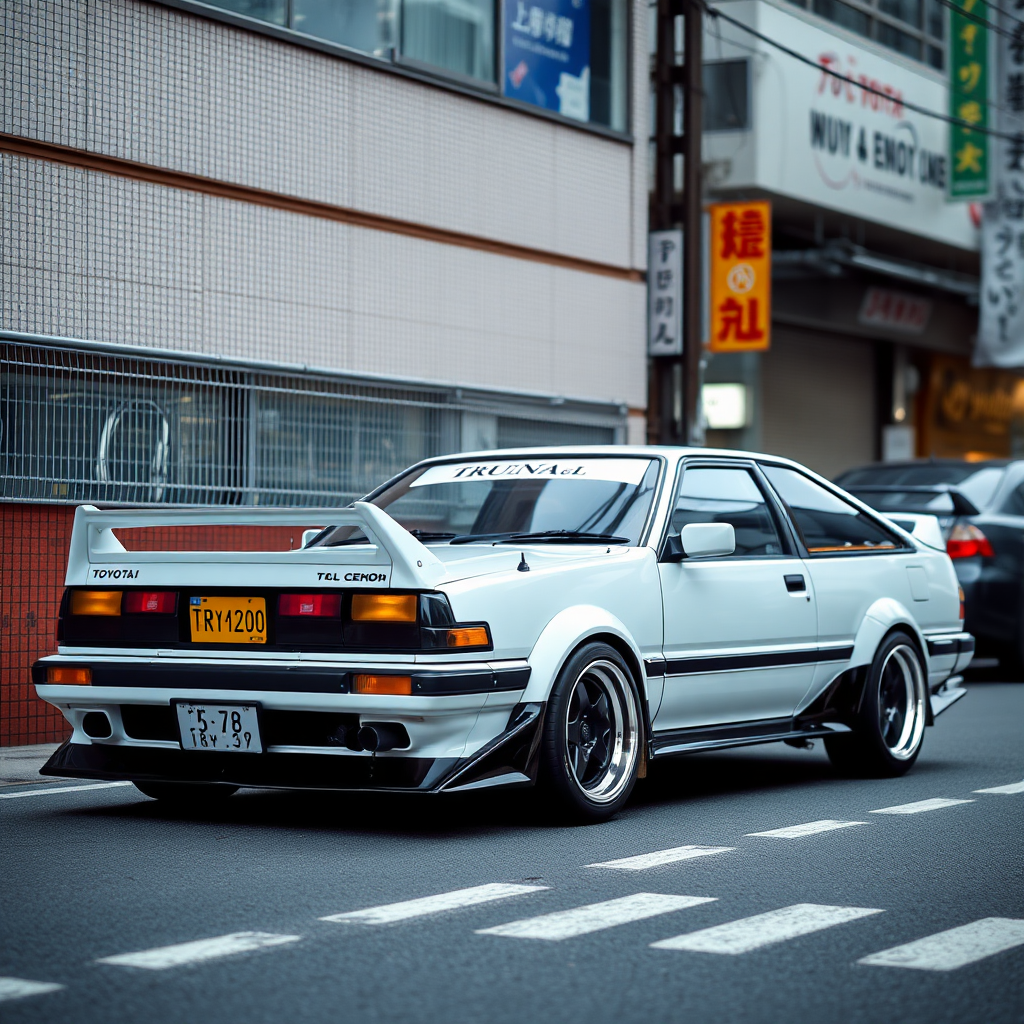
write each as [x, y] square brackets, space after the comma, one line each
[826, 142]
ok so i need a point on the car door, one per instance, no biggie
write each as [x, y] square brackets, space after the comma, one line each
[740, 630]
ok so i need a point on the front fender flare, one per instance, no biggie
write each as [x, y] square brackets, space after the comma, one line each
[562, 635]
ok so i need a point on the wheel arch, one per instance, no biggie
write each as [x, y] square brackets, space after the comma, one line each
[566, 633]
[885, 617]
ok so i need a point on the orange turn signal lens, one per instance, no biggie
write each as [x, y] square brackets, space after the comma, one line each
[95, 602]
[399, 686]
[962, 602]
[65, 675]
[383, 607]
[468, 636]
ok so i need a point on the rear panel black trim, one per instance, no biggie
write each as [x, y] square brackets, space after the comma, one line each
[769, 659]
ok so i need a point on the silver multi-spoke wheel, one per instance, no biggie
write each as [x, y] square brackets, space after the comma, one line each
[601, 731]
[901, 694]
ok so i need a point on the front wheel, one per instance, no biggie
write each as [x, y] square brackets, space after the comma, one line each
[888, 729]
[593, 735]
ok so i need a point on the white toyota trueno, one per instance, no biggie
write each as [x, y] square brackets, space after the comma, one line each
[559, 616]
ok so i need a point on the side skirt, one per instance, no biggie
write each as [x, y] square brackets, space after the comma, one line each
[742, 734]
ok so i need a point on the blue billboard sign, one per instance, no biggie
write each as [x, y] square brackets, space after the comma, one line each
[547, 55]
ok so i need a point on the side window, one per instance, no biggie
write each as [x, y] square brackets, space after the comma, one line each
[713, 495]
[827, 523]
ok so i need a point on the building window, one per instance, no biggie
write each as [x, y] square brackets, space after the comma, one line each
[915, 28]
[726, 96]
[568, 56]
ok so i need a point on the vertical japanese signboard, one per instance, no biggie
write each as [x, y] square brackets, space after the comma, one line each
[547, 55]
[1001, 324]
[665, 293]
[741, 277]
[969, 176]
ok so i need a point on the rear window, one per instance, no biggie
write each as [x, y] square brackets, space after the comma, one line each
[979, 485]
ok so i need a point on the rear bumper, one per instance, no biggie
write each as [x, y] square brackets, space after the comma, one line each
[948, 653]
[510, 759]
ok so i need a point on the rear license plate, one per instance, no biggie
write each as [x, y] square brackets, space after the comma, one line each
[234, 728]
[228, 620]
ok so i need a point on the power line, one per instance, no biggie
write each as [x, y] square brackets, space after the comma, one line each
[971, 16]
[948, 118]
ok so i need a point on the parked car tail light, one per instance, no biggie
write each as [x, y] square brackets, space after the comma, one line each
[96, 602]
[384, 607]
[68, 675]
[388, 685]
[321, 606]
[966, 541]
[158, 602]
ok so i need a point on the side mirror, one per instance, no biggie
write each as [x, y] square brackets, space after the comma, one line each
[673, 549]
[701, 540]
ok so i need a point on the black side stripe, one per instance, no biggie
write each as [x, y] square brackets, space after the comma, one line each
[731, 662]
[950, 645]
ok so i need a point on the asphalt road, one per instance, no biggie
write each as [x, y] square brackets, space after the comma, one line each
[99, 873]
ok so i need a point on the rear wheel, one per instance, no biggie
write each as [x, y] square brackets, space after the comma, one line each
[195, 793]
[593, 736]
[888, 730]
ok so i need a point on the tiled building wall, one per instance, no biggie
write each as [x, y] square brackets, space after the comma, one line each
[152, 84]
[91, 255]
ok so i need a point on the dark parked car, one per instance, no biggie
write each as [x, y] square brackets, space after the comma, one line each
[980, 507]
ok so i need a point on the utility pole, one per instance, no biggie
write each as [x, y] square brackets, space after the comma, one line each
[674, 383]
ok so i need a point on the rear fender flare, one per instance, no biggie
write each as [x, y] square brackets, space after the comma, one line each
[562, 635]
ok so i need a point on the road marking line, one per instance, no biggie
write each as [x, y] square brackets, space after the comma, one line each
[19, 988]
[161, 958]
[455, 900]
[751, 933]
[654, 860]
[63, 789]
[921, 805]
[946, 951]
[809, 829]
[1013, 787]
[595, 917]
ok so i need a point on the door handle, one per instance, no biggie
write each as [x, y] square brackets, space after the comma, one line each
[795, 584]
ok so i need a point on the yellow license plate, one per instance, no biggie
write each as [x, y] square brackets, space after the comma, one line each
[228, 620]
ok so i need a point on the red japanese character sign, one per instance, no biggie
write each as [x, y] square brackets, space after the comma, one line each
[741, 285]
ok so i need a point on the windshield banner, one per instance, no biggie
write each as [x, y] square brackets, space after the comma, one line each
[626, 471]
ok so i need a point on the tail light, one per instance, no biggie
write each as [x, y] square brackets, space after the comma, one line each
[96, 602]
[961, 590]
[320, 606]
[966, 541]
[158, 602]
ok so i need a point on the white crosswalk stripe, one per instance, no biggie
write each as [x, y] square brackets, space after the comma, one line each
[655, 860]
[750, 933]
[62, 789]
[595, 917]
[425, 905]
[809, 828]
[20, 988]
[163, 957]
[1010, 790]
[957, 947]
[936, 803]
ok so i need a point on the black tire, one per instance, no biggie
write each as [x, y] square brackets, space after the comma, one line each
[197, 794]
[593, 736]
[888, 727]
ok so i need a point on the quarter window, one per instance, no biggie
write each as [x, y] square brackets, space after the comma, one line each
[827, 524]
[720, 495]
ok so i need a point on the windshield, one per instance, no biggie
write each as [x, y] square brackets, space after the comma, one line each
[977, 484]
[560, 500]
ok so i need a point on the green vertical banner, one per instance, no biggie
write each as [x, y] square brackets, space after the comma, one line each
[968, 100]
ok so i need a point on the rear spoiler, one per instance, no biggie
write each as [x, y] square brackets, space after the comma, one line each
[962, 505]
[393, 558]
[924, 528]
